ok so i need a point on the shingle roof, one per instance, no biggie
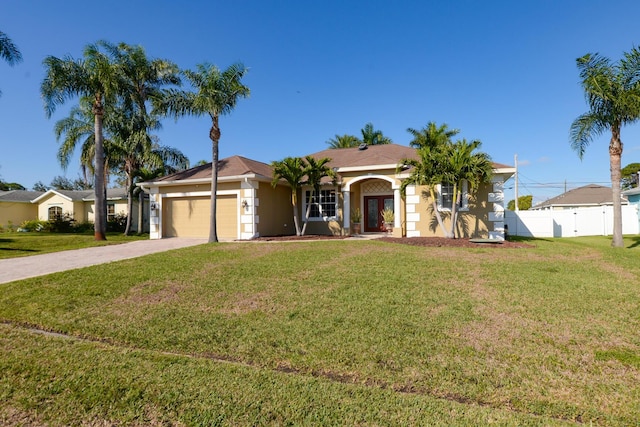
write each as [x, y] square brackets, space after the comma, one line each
[387, 155]
[228, 167]
[372, 155]
[23, 196]
[588, 195]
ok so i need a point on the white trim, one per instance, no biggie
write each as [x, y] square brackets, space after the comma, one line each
[47, 193]
[394, 183]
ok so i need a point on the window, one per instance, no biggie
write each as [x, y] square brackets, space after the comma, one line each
[55, 213]
[445, 197]
[111, 212]
[323, 205]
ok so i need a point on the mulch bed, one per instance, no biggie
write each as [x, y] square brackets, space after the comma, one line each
[453, 243]
[414, 241]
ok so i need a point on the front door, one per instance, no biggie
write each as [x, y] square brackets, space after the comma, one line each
[374, 205]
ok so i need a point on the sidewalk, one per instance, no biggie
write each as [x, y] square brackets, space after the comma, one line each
[38, 265]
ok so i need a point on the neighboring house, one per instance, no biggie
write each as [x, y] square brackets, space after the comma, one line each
[248, 206]
[19, 206]
[581, 197]
[16, 207]
[633, 195]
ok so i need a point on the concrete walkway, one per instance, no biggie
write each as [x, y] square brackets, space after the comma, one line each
[38, 265]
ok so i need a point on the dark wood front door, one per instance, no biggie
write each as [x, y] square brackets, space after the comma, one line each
[373, 205]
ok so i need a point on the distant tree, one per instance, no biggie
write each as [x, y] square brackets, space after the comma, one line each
[629, 176]
[292, 170]
[8, 186]
[612, 91]
[62, 183]
[9, 51]
[96, 77]
[201, 162]
[216, 93]
[524, 203]
[370, 136]
[343, 141]
[39, 186]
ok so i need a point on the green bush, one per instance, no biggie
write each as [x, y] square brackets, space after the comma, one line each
[83, 227]
[35, 225]
[62, 224]
[118, 223]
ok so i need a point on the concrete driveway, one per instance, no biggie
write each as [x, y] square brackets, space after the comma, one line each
[38, 265]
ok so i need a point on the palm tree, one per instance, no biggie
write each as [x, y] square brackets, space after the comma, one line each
[465, 166]
[292, 170]
[9, 51]
[431, 143]
[370, 136]
[612, 91]
[217, 93]
[315, 170]
[343, 141]
[96, 77]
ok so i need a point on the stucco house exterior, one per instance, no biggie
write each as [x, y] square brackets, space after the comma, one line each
[18, 206]
[248, 206]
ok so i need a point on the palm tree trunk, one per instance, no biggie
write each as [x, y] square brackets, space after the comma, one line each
[615, 157]
[454, 212]
[214, 134]
[437, 212]
[307, 213]
[127, 228]
[100, 214]
[295, 219]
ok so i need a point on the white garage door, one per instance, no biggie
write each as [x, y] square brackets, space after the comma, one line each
[189, 217]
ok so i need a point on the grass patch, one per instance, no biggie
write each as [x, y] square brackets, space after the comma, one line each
[14, 245]
[476, 336]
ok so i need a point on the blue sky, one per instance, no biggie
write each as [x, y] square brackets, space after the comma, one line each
[500, 71]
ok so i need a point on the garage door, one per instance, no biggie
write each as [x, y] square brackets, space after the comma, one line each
[189, 217]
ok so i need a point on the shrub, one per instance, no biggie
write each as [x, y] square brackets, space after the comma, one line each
[62, 224]
[35, 225]
[117, 223]
[83, 227]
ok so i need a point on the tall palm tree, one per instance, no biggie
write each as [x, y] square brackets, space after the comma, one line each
[343, 141]
[9, 51]
[95, 76]
[292, 170]
[370, 136]
[612, 91]
[431, 143]
[315, 170]
[465, 165]
[216, 93]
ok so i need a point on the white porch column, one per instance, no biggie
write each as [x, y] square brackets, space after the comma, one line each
[396, 207]
[346, 211]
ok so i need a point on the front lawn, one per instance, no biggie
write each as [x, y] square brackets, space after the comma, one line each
[336, 332]
[15, 244]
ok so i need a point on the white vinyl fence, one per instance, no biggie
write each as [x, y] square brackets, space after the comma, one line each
[595, 221]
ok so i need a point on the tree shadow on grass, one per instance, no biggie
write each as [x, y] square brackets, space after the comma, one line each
[636, 242]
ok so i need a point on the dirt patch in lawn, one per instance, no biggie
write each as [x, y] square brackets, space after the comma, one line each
[414, 241]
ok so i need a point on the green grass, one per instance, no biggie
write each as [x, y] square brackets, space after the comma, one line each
[14, 245]
[336, 332]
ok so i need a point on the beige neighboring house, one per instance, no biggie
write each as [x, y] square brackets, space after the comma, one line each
[366, 178]
[16, 207]
[582, 197]
[19, 206]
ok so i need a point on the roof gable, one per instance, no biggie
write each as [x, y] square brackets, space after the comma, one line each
[234, 166]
